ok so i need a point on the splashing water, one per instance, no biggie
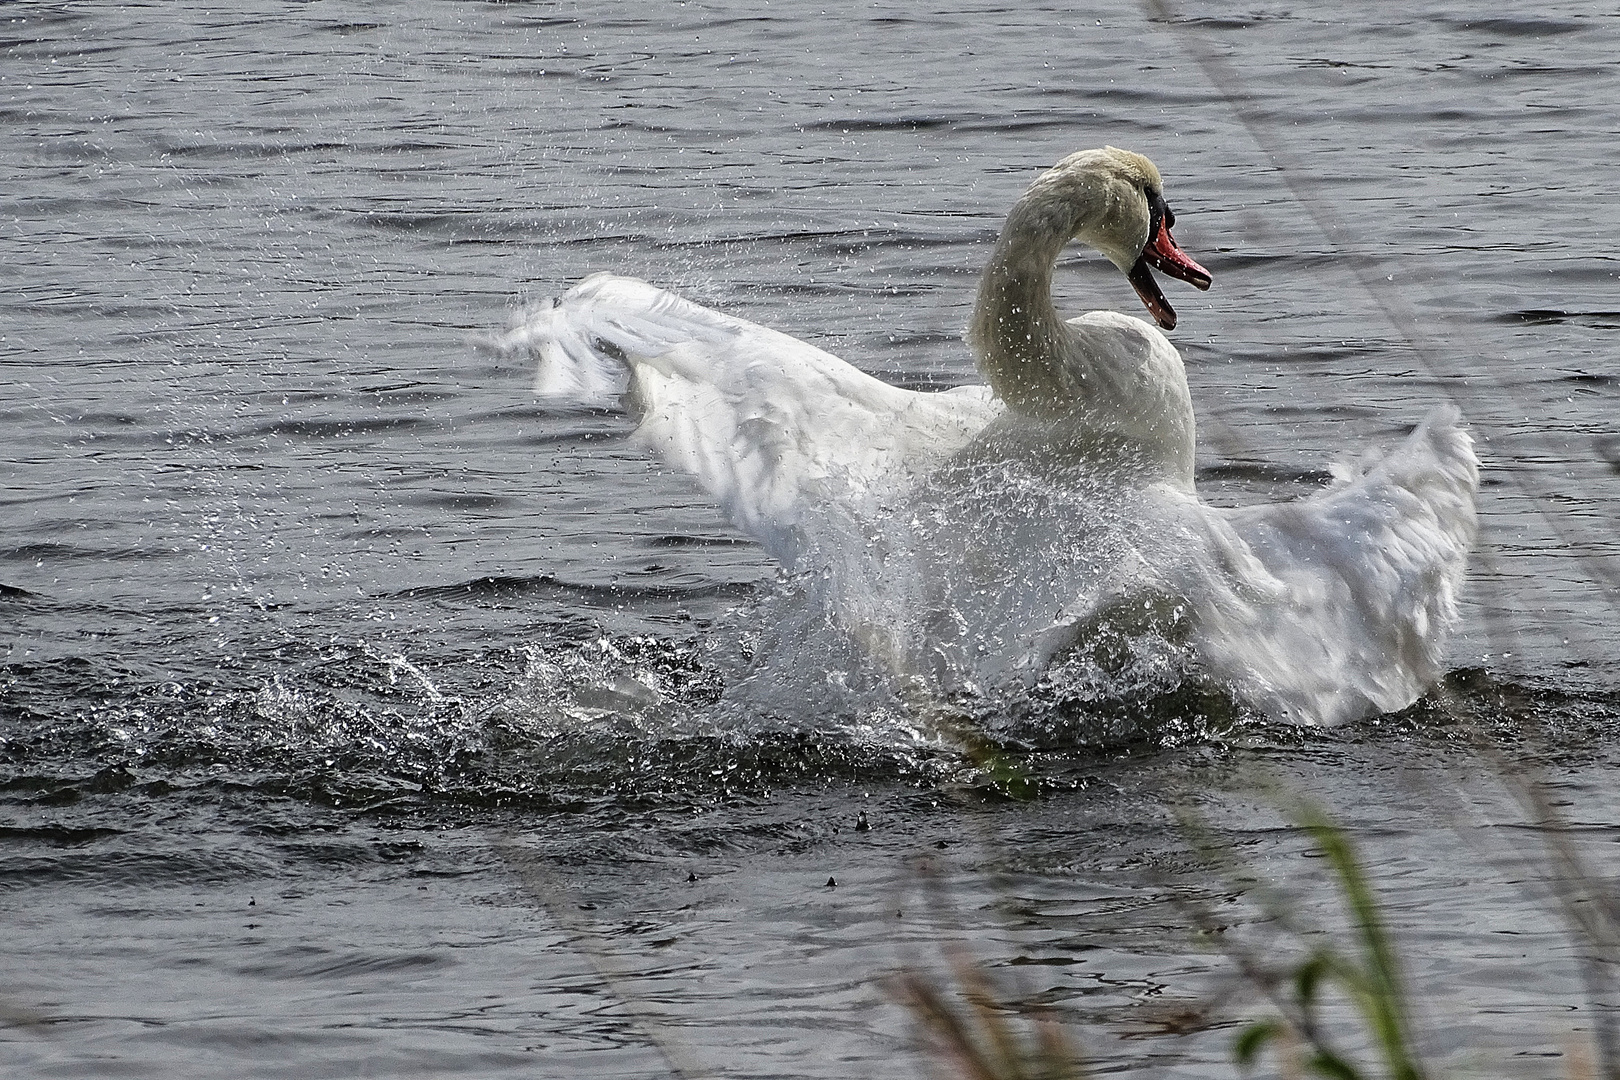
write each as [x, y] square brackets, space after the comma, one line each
[1004, 580]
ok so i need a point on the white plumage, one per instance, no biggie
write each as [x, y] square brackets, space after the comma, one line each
[971, 534]
[774, 428]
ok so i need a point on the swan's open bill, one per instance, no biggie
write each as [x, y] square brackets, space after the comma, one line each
[1163, 255]
[947, 528]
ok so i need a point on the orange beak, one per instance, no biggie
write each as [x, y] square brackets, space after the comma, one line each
[1161, 253]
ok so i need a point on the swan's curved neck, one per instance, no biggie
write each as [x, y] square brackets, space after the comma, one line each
[1016, 332]
[1112, 389]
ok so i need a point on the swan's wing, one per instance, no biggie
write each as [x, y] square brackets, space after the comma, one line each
[1340, 604]
[775, 429]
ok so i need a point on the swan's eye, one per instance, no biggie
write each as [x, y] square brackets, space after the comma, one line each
[1161, 213]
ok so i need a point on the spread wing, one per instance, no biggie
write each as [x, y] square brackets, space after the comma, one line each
[777, 430]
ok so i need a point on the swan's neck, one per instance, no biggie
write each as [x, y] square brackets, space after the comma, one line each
[1016, 332]
[1109, 388]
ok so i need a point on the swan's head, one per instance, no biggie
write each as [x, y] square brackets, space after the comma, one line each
[1113, 200]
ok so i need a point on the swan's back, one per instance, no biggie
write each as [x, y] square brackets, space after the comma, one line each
[1135, 387]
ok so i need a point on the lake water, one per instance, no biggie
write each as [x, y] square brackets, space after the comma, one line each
[361, 717]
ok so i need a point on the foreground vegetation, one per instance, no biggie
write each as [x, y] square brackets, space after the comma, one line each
[981, 1033]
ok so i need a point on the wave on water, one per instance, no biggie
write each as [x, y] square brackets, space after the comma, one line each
[650, 722]
[776, 696]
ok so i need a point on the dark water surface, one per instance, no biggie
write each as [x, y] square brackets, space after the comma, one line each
[360, 717]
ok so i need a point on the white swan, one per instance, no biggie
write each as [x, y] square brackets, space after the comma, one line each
[973, 534]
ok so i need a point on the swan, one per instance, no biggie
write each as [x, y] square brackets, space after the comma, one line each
[975, 534]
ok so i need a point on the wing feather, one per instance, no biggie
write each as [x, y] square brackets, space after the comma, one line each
[774, 428]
